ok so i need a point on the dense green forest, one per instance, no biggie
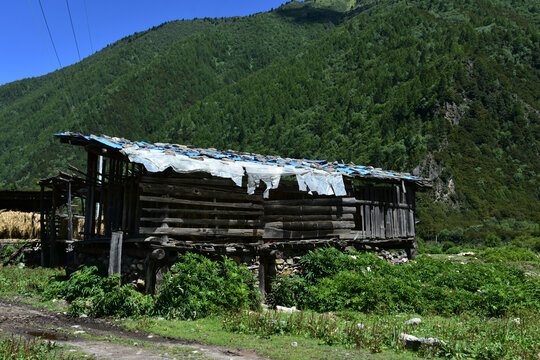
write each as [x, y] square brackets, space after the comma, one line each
[447, 89]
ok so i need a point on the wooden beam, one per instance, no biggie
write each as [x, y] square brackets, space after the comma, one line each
[306, 209]
[301, 217]
[246, 205]
[202, 232]
[203, 211]
[226, 222]
[311, 225]
[196, 191]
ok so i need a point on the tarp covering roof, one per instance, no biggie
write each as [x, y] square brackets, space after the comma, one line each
[321, 176]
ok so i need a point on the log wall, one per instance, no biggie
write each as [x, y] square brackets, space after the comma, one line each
[191, 210]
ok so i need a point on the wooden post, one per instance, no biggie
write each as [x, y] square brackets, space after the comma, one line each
[43, 230]
[263, 263]
[90, 218]
[70, 214]
[150, 269]
[115, 254]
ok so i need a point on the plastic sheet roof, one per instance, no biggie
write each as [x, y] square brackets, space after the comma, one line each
[184, 158]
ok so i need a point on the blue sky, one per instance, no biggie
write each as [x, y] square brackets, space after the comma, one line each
[26, 49]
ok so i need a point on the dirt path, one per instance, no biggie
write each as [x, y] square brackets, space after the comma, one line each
[24, 320]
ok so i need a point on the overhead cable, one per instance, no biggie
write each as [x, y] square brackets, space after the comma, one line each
[88, 26]
[50, 35]
[73, 30]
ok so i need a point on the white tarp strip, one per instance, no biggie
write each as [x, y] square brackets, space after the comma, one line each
[314, 180]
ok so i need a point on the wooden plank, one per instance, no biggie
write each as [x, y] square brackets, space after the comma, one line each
[271, 233]
[212, 222]
[315, 201]
[170, 200]
[349, 202]
[203, 211]
[301, 217]
[115, 253]
[197, 191]
[202, 232]
[306, 209]
[311, 225]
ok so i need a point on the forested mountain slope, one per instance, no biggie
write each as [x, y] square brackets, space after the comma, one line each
[134, 86]
[448, 88]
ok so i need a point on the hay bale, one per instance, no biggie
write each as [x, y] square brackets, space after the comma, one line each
[19, 225]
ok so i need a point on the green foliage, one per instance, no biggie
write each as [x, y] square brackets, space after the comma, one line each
[288, 291]
[7, 251]
[507, 253]
[26, 281]
[424, 286]
[13, 348]
[492, 240]
[464, 336]
[92, 293]
[197, 286]
[527, 241]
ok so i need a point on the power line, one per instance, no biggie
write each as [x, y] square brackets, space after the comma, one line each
[42, 35]
[50, 35]
[73, 30]
[88, 26]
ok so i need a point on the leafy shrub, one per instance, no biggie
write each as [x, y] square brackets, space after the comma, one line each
[447, 245]
[454, 250]
[119, 301]
[7, 251]
[83, 283]
[423, 286]
[527, 241]
[197, 286]
[492, 240]
[288, 291]
[507, 253]
[91, 292]
[329, 261]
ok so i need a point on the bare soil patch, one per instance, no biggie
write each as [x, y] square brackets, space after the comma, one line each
[86, 334]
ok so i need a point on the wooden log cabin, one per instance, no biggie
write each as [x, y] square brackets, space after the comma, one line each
[163, 199]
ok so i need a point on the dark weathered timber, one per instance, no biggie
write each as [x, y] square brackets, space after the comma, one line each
[202, 232]
[170, 200]
[311, 225]
[271, 233]
[313, 202]
[197, 192]
[204, 211]
[212, 222]
[302, 217]
[301, 209]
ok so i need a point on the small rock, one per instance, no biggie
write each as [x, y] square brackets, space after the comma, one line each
[280, 261]
[79, 332]
[294, 343]
[517, 321]
[150, 336]
[286, 309]
[21, 266]
[83, 316]
[413, 342]
[76, 326]
[413, 321]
